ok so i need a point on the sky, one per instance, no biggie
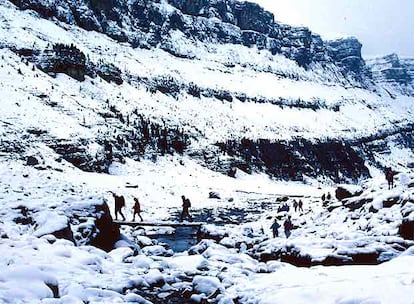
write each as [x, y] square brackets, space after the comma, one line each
[383, 26]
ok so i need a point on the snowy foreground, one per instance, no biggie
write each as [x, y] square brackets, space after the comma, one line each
[36, 266]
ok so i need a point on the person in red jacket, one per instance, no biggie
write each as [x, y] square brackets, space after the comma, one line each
[288, 226]
[137, 209]
[389, 176]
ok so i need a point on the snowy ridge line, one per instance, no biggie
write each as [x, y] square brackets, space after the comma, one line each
[285, 63]
[177, 41]
[383, 134]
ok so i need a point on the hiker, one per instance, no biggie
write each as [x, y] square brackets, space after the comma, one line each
[275, 226]
[323, 197]
[300, 205]
[137, 209]
[199, 235]
[328, 197]
[108, 150]
[186, 206]
[389, 176]
[119, 204]
[288, 226]
[295, 205]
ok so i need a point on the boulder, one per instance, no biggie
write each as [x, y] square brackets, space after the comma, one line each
[391, 201]
[344, 192]
[65, 233]
[154, 278]
[406, 229]
[107, 232]
[206, 285]
[32, 161]
[354, 204]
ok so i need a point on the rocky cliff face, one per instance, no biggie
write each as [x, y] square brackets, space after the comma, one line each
[347, 54]
[408, 63]
[153, 23]
[395, 73]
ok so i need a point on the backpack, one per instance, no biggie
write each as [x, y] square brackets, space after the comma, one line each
[121, 201]
[137, 206]
[187, 203]
[275, 226]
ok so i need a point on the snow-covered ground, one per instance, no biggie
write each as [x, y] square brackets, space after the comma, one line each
[32, 259]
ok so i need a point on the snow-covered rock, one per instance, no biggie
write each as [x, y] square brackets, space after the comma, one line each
[206, 285]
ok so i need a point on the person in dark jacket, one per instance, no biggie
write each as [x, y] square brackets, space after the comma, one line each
[295, 205]
[137, 209]
[389, 176]
[275, 226]
[108, 151]
[300, 204]
[288, 226]
[119, 204]
[186, 206]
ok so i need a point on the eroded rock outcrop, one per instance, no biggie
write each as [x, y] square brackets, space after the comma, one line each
[92, 224]
[393, 72]
[347, 54]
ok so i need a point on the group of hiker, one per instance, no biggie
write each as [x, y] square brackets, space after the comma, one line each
[185, 213]
[186, 204]
[287, 224]
[326, 197]
[120, 203]
[298, 206]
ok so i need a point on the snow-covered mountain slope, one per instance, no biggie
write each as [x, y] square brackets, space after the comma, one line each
[221, 92]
